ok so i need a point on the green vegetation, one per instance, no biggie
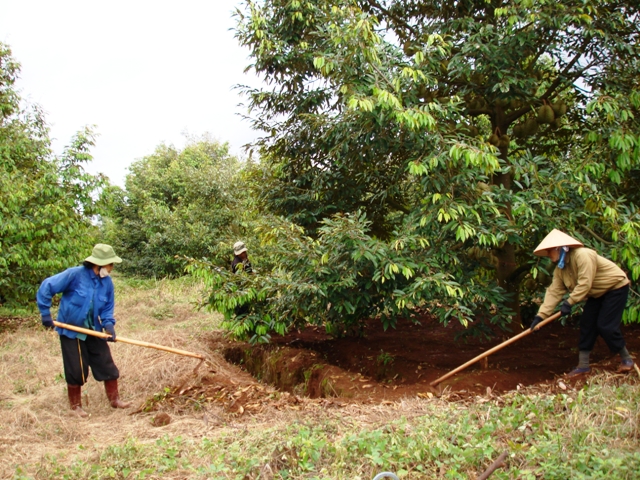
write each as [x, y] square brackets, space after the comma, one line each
[176, 203]
[414, 154]
[450, 136]
[46, 202]
[335, 281]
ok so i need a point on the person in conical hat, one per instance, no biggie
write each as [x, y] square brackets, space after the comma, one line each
[589, 277]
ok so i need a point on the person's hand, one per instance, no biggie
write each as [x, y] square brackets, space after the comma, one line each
[536, 320]
[47, 321]
[565, 308]
[111, 330]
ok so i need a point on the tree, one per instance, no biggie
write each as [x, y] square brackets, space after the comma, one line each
[479, 125]
[335, 280]
[176, 203]
[47, 202]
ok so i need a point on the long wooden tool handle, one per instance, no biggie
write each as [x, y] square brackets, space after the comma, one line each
[139, 343]
[495, 349]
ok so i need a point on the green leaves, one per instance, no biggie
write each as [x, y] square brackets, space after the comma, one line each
[338, 281]
[177, 203]
[47, 203]
[386, 108]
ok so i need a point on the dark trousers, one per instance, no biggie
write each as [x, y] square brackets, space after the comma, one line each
[602, 316]
[78, 355]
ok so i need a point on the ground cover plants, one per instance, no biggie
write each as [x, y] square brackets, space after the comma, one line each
[551, 430]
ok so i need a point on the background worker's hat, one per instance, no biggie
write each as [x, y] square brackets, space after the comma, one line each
[239, 247]
[555, 239]
[103, 255]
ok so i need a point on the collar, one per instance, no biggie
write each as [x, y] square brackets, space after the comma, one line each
[92, 275]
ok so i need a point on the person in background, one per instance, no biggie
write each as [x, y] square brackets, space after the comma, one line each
[241, 261]
[87, 301]
[585, 275]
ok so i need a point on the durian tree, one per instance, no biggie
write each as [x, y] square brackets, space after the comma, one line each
[476, 125]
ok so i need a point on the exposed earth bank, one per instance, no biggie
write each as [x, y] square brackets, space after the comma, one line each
[382, 366]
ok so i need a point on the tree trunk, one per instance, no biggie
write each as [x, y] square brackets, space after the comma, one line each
[506, 254]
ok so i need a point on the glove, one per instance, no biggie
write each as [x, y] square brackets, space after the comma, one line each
[111, 330]
[565, 308]
[47, 321]
[536, 320]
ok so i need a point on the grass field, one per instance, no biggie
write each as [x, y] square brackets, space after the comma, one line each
[554, 433]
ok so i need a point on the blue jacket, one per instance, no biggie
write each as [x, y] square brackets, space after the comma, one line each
[78, 286]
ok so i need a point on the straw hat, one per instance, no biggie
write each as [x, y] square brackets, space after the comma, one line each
[103, 255]
[555, 239]
[239, 247]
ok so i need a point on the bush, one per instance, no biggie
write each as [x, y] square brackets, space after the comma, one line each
[338, 281]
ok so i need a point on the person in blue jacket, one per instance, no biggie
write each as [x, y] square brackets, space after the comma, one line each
[87, 301]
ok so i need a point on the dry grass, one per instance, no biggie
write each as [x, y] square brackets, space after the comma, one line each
[36, 419]
[38, 426]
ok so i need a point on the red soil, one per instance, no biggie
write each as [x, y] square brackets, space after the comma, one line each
[307, 368]
[403, 361]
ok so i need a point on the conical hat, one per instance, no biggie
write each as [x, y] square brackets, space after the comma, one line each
[555, 239]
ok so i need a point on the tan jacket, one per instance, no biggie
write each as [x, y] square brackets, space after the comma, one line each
[585, 274]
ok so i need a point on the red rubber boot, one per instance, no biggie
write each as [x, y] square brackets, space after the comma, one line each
[111, 387]
[75, 400]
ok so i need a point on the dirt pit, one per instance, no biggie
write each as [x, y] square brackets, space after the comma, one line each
[403, 361]
[380, 366]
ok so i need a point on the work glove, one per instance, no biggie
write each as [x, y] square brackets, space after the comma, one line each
[111, 330]
[565, 308]
[536, 320]
[47, 321]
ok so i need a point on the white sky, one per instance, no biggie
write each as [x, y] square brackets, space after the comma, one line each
[144, 72]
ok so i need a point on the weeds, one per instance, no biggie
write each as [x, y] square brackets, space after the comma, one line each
[384, 359]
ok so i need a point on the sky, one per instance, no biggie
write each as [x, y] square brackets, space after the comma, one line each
[143, 72]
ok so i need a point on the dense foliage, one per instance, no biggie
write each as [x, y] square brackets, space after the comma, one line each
[46, 203]
[475, 126]
[335, 280]
[176, 203]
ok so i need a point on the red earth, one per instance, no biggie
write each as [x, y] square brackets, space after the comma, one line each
[401, 362]
[308, 367]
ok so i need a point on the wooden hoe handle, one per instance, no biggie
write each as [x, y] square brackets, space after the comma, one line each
[139, 343]
[495, 349]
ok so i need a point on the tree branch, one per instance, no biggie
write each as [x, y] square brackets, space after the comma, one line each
[376, 5]
[513, 276]
[494, 466]
[587, 229]
[567, 69]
